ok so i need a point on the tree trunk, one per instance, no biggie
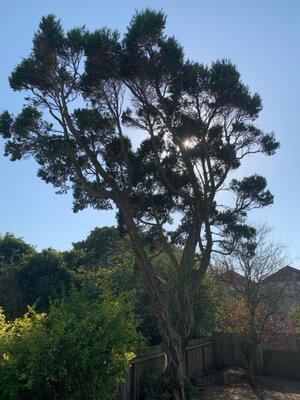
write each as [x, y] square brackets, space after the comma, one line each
[176, 365]
[174, 344]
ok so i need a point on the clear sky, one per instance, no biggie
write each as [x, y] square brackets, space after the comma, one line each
[261, 36]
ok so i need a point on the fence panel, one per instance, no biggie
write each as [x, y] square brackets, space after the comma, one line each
[284, 364]
[199, 358]
[229, 350]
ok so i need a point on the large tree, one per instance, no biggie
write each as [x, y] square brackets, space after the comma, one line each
[86, 91]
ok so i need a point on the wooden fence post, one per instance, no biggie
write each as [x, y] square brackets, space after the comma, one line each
[133, 382]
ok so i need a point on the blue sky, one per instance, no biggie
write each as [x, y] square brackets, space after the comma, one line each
[260, 36]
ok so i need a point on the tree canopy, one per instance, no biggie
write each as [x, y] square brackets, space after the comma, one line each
[102, 247]
[198, 120]
[14, 250]
[29, 277]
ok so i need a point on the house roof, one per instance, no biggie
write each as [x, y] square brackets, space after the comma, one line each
[231, 277]
[286, 274]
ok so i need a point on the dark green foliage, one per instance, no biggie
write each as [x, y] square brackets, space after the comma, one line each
[28, 277]
[104, 258]
[252, 189]
[146, 26]
[14, 254]
[11, 295]
[102, 248]
[14, 250]
[123, 277]
[43, 278]
[207, 308]
[5, 124]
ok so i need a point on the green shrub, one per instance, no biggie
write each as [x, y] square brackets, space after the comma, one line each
[80, 350]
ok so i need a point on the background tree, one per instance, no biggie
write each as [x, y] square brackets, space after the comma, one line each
[14, 253]
[103, 247]
[43, 278]
[194, 125]
[13, 250]
[28, 277]
[251, 306]
[105, 258]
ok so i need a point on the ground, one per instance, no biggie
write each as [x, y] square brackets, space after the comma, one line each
[234, 386]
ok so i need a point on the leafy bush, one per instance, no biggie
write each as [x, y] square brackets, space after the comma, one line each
[80, 350]
[17, 342]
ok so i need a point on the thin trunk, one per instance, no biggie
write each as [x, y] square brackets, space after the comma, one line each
[171, 339]
[176, 365]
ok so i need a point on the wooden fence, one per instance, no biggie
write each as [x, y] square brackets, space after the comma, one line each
[199, 358]
[223, 350]
[228, 350]
[284, 364]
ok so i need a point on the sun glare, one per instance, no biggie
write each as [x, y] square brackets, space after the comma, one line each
[190, 142]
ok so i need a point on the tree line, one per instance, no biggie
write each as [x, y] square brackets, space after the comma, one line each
[51, 300]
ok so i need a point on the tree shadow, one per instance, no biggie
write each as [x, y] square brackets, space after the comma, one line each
[269, 388]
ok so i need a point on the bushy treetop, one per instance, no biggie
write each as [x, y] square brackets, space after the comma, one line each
[86, 87]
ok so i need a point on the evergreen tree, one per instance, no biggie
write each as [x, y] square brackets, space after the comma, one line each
[195, 125]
